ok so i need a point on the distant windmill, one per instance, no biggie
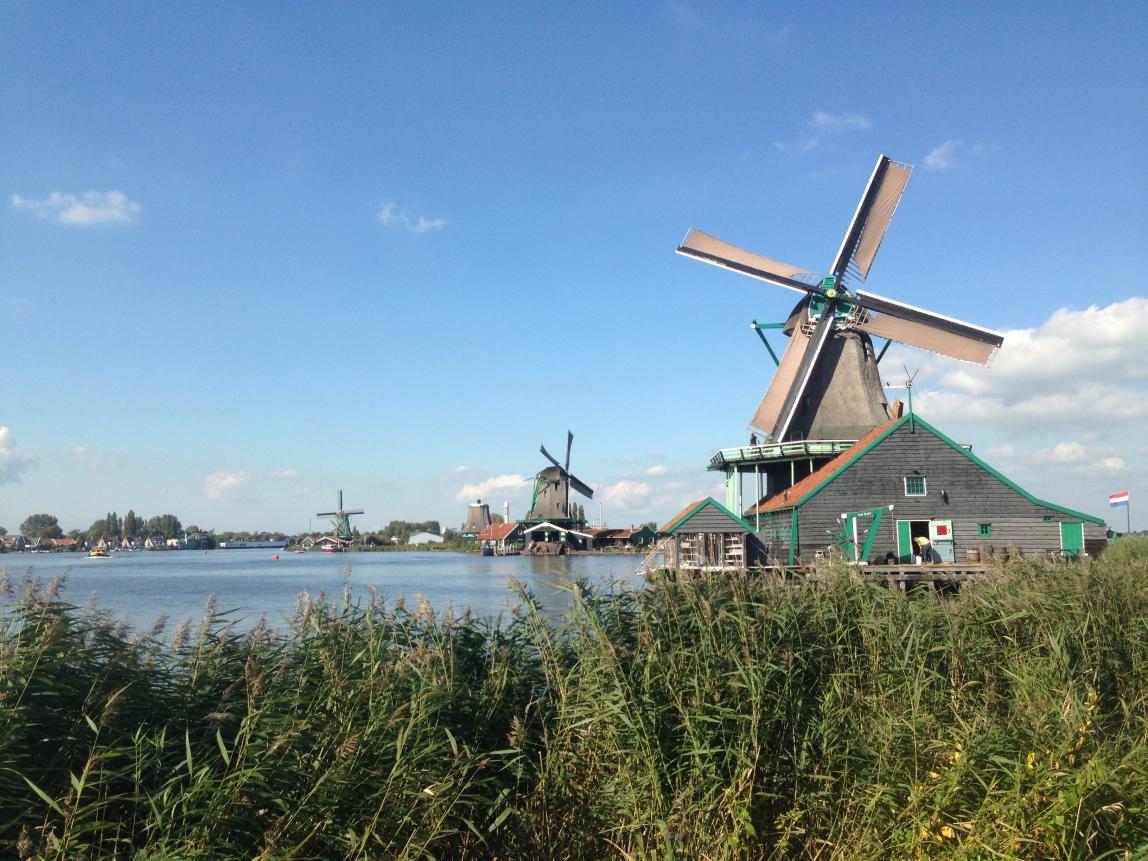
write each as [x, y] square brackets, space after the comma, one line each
[827, 385]
[552, 485]
[341, 521]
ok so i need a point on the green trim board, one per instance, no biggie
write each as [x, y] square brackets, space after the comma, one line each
[708, 502]
[956, 446]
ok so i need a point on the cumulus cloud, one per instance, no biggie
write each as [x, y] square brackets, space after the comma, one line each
[223, 482]
[828, 122]
[509, 484]
[656, 469]
[88, 209]
[391, 215]
[624, 494]
[13, 462]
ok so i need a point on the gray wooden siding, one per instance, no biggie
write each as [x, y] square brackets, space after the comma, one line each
[709, 519]
[975, 496]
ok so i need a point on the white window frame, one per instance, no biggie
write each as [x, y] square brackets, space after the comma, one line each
[924, 485]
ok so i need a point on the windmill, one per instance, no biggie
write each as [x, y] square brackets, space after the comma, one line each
[551, 502]
[827, 385]
[341, 520]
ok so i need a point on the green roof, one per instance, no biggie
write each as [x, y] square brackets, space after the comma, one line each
[834, 468]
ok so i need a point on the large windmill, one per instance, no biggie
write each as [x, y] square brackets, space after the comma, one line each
[552, 484]
[340, 520]
[827, 385]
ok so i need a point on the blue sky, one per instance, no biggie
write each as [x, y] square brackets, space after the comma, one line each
[252, 254]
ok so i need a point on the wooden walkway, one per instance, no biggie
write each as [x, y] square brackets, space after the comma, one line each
[900, 576]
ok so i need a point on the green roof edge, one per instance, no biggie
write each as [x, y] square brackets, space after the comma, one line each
[709, 500]
[956, 446]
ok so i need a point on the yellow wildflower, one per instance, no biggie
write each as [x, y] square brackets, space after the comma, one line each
[1031, 760]
[947, 832]
[934, 776]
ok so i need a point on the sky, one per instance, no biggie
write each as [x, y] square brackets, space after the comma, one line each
[252, 254]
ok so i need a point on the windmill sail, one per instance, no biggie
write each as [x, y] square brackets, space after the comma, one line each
[801, 380]
[769, 410]
[871, 219]
[929, 331]
[710, 249]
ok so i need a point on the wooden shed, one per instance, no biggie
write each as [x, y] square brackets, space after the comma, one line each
[707, 536]
[938, 489]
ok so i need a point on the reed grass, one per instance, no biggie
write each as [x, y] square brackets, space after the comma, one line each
[717, 718]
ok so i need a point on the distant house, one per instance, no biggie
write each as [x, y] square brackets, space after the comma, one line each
[504, 539]
[425, 538]
[707, 536]
[940, 492]
[62, 544]
[14, 543]
[623, 538]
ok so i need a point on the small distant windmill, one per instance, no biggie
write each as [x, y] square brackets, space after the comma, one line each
[552, 485]
[827, 385]
[341, 520]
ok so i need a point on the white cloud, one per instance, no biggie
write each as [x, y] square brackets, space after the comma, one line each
[392, 216]
[284, 473]
[948, 155]
[840, 122]
[509, 484]
[624, 494]
[656, 469]
[943, 157]
[12, 460]
[220, 483]
[88, 209]
[93, 460]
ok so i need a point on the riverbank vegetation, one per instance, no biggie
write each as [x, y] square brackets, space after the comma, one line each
[725, 718]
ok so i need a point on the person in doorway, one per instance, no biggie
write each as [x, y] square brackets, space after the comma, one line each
[925, 550]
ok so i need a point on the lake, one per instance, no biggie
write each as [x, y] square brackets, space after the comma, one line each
[141, 587]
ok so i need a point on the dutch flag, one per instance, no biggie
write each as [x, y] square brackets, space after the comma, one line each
[1120, 498]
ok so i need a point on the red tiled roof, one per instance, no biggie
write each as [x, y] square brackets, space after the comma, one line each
[497, 531]
[789, 498]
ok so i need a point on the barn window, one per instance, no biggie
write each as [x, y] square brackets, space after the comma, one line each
[1047, 518]
[985, 529]
[914, 485]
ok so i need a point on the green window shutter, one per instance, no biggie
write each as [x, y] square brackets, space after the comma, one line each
[985, 529]
[1072, 538]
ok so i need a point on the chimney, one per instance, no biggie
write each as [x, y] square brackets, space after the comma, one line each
[506, 511]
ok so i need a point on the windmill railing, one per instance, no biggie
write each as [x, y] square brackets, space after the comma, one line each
[779, 451]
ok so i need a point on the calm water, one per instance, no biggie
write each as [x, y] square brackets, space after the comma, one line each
[140, 587]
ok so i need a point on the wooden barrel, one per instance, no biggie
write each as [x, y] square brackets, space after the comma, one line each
[973, 555]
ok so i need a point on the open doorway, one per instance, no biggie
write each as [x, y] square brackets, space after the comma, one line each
[908, 531]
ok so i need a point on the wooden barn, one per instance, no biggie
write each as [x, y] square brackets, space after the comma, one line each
[707, 536]
[939, 490]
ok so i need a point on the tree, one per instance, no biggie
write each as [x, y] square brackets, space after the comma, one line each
[131, 524]
[98, 530]
[41, 526]
[3, 531]
[497, 518]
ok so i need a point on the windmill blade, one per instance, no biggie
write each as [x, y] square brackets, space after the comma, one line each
[326, 513]
[550, 457]
[871, 220]
[356, 511]
[581, 486]
[929, 331]
[569, 442]
[804, 372]
[768, 411]
[710, 249]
